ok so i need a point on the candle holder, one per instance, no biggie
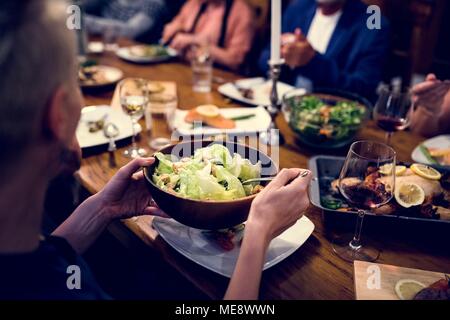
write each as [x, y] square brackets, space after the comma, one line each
[272, 136]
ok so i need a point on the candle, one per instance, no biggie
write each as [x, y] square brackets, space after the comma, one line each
[275, 31]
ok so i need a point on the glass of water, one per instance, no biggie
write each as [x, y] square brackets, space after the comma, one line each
[110, 35]
[201, 64]
[159, 118]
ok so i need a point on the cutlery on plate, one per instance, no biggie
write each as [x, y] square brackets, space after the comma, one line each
[111, 131]
[268, 179]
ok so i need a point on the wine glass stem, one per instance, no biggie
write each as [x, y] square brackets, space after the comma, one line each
[133, 130]
[355, 244]
[388, 138]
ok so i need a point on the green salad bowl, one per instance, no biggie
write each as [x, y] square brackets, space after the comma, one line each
[206, 214]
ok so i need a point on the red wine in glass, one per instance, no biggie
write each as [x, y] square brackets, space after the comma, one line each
[360, 185]
[389, 124]
[392, 110]
[363, 196]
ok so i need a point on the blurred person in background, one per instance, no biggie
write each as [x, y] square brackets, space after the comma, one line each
[37, 136]
[226, 26]
[327, 44]
[141, 20]
[431, 114]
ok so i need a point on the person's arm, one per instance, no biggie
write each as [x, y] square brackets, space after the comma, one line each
[239, 38]
[364, 76]
[124, 196]
[178, 23]
[137, 25]
[131, 29]
[244, 284]
[274, 210]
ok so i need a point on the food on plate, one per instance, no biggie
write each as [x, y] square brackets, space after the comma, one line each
[91, 75]
[212, 173]
[417, 192]
[209, 115]
[227, 239]
[247, 93]
[148, 51]
[98, 125]
[409, 194]
[387, 169]
[439, 290]
[155, 87]
[318, 121]
[406, 289]
[425, 171]
[436, 155]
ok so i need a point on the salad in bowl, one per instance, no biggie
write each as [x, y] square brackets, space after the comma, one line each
[324, 120]
[200, 183]
[212, 173]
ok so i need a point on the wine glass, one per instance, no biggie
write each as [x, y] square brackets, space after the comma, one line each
[392, 110]
[133, 94]
[364, 188]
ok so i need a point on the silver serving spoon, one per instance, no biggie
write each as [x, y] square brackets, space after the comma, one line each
[110, 130]
[264, 179]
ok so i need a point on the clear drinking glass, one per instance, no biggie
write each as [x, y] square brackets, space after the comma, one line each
[392, 110]
[110, 37]
[134, 99]
[362, 186]
[159, 117]
[201, 64]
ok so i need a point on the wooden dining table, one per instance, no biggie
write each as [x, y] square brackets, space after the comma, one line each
[313, 271]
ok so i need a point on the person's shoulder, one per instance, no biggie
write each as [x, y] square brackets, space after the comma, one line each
[296, 5]
[364, 11]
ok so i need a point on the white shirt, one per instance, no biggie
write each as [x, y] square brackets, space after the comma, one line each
[321, 30]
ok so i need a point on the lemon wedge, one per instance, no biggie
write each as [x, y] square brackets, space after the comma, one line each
[208, 110]
[409, 194]
[425, 171]
[406, 289]
[387, 169]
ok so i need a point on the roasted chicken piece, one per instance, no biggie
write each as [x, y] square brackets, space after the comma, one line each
[432, 188]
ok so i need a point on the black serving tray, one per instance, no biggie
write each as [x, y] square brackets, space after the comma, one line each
[327, 168]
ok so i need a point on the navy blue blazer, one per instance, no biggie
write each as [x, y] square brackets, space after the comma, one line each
[355, 57]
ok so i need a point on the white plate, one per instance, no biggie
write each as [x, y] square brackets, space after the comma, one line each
[96, 47]
[260, 122]
[125, 54]
[112, 75]
[94, 113]
[261, 90]
[436, 142]
[194, 245]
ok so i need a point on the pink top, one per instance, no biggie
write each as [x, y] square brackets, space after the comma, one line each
[239, 33]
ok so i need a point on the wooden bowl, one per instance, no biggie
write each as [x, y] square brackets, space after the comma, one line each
[206, 214]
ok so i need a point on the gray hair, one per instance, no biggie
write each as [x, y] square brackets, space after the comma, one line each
[36, 56]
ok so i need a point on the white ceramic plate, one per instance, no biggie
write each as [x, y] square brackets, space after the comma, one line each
[261, 90]
[194, 245]
[96, 47]
[260, 122]
[94, 113]
[112, 75]
[436, 142]
[125, 54]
